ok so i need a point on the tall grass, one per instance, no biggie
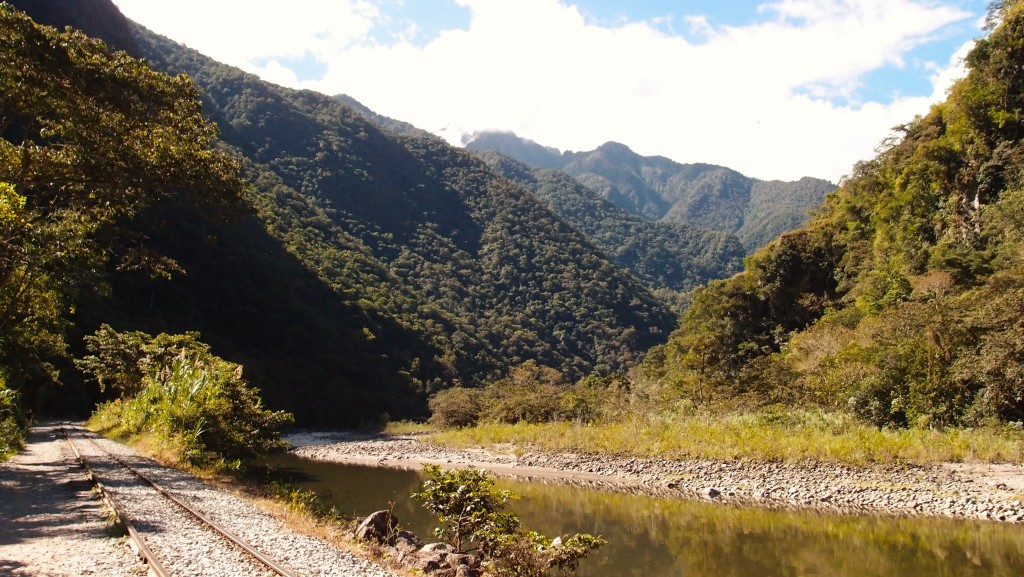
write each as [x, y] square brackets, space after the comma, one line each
[766, 436]
[197, 410]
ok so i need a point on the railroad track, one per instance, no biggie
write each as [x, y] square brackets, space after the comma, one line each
[175, 539]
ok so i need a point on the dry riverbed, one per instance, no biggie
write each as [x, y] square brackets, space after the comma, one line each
[992, 492]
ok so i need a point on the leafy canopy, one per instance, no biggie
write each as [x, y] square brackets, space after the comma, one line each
[901, 300]
[90, 139]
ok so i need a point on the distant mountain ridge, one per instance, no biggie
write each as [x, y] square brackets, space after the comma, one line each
[671, 258]
[659, 189]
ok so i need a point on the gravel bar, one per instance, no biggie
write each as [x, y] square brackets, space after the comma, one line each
[989, 492]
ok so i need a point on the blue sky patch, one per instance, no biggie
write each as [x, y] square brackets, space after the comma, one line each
[418, 21]
[306, 68]
[718, 12]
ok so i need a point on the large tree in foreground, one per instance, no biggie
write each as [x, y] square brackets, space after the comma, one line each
[90, 138]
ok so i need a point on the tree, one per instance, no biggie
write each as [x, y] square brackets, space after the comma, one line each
[90, 139]
[121, 361]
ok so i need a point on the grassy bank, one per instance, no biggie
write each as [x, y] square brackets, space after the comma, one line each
[777, 436]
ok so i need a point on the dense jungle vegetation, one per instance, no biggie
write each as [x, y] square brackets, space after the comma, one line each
[887, 328]
[448, 273]
[90, 141]
[670, 258]
[901, 300]
[355, 271]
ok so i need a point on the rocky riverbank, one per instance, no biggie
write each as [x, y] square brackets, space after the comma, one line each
[992, 492]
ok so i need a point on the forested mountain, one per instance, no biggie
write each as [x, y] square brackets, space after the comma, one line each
[658, 189]
[363, 268]
[385, 122]
[901, 300]
[671, 258]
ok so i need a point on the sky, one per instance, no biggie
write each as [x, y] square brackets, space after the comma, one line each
[774, 89]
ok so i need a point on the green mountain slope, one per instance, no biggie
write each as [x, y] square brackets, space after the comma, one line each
[671, 258]
[659, 189]
[372, 267]
[901, 299]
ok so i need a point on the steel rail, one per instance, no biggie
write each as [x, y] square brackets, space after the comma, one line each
[232, 538]
[135, 539]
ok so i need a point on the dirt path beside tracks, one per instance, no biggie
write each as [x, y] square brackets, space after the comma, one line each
[53, 523]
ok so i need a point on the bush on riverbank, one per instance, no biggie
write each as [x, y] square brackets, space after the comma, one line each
[531, 394]
[650, 418]
[192, 404]
[470, 512]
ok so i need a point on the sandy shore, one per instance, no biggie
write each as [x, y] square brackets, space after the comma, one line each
[992, 492]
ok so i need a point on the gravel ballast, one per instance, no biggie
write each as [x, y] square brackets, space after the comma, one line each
[53, 523]
[180, 543]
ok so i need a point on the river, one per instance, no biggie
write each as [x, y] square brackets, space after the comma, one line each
[657, 537]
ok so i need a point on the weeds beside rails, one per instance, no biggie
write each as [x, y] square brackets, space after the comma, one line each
[790, 436]
[302, 502]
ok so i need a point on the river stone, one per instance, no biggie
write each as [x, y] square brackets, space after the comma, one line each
[456, 559]
[406, 542]
[377, 526]
[431, 558]
[436, 547]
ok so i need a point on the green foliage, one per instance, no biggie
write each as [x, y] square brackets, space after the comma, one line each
[470, 512]
[374, 258]
[900, 300]
[531, 394]
[193, 402]
[12, 426]
[368, 268]
[455, 407]
[121, 361]
[669, 257]
[301, 501]
[89, 138]
[466, 503]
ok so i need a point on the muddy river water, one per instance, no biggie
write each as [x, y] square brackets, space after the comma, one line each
[657, 537]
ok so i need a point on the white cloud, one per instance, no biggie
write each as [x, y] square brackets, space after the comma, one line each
[758, 98]
[243, 32]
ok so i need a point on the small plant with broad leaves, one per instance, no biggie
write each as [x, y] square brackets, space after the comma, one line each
[471, 518]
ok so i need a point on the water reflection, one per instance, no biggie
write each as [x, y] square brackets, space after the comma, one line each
[654, 537]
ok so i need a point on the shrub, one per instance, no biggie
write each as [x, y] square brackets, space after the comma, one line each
[470, 512]
[513, 403]
[121, 361]
[12, 430]
[531, 394]
[455, 407]
[197, 405]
